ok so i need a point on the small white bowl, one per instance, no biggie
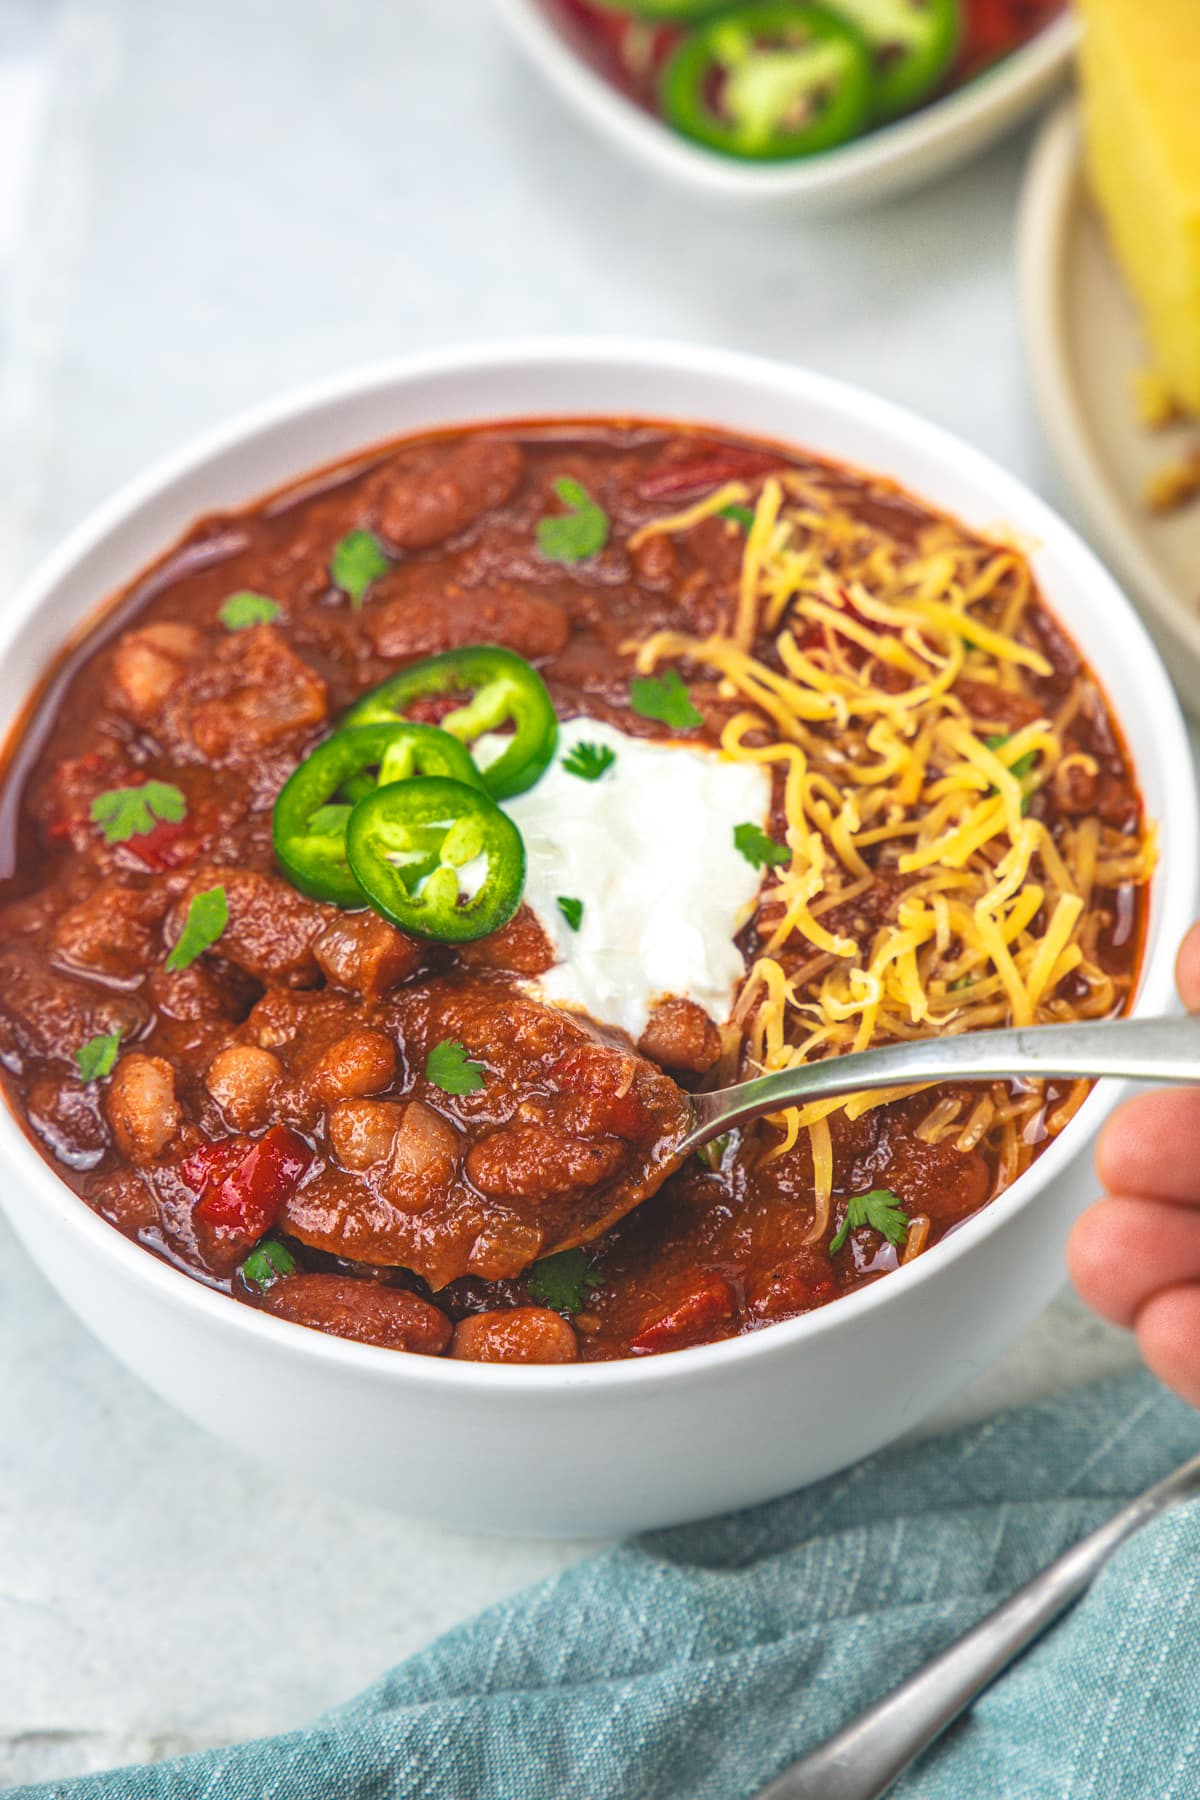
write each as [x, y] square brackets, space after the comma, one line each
[898, 156]
[606, 1447]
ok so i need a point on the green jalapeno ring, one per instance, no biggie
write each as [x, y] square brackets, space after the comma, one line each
[912, 43]
[795, 79]
[308, 825]
[388, 846]
[665, 12]
[503, 689]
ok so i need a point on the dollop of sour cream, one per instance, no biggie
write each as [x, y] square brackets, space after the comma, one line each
[648, 850]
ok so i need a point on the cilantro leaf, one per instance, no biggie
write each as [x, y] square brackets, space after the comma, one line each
[126, 812]
[357, 561]
[246, 608]
[759, 850]
[563, 1281]
[448, 1068]
[664, 698]
[741, 515]
[589, 761]
[97, 1057]
[571, 910]
[881, 1210]
[266, 1264]
[575, 535]
[207, 917]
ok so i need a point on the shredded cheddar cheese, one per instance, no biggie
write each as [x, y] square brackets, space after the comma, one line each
[888, 678]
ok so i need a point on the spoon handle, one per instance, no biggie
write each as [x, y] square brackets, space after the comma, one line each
[867, 1755]
[1162, 1050]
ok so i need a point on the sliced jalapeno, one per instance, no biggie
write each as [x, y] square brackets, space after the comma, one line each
[768, 81]
[313, 807]
[912, 45]
[437, 858]
[664, 11]
[499, 690]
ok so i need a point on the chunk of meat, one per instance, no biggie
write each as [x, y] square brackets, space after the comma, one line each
[67, 1116]
[147, 664]
[141, 1106]
[272, 930]
[452, 617]
[531, 1162]
[363, 1062]
[680, 1035]
[114, 931]
[44, 1012]
[363, 954]
[242, 1080]
[521, 947]
[251, 694]
[416, 509]
[366, 1311]
[521, 1334]
[794, 1286]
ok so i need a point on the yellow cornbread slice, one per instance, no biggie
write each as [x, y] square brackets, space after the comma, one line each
[1141, 84]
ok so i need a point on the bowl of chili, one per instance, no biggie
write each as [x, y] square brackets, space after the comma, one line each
[577, 1441]
[783, 101]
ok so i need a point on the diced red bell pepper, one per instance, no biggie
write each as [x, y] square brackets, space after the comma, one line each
[165, 846]
[692, 1320]
[702, 474]
[245, 1185]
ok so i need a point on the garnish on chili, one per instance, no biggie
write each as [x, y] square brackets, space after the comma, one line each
[499, 690]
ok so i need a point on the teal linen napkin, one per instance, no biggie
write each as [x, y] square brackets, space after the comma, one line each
[694, 1664]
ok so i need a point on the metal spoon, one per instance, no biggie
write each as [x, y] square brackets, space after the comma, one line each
[867, 1755]
[1161, 1050]
[1138, 1049]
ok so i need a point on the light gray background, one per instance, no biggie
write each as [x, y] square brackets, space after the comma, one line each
[198, 206]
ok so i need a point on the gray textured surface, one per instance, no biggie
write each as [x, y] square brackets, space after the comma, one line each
[229, 198]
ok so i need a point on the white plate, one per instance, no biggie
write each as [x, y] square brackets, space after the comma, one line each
[1085, 345]
[899, 156]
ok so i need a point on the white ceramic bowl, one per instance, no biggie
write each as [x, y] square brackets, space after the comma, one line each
[610, 1446]
[898, 156]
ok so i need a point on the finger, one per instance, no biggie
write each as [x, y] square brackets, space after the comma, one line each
[1123, 1252]
[1151, 1147]
[1168, 1333]
[1187, 970]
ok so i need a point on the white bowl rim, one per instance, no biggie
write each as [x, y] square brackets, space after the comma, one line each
[915, 137]
[703, 1362]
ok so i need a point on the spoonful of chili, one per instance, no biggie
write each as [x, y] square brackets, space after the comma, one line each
[1157, 1050]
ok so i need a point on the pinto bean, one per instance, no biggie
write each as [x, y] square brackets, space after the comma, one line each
[363, 1062]
[366, 1311]
[242, 1079]
[418, 509]
[522, 1334]
[680, 1035]
[454, 616]
[530, 1162]
[362, 1132]
[141, 1106]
